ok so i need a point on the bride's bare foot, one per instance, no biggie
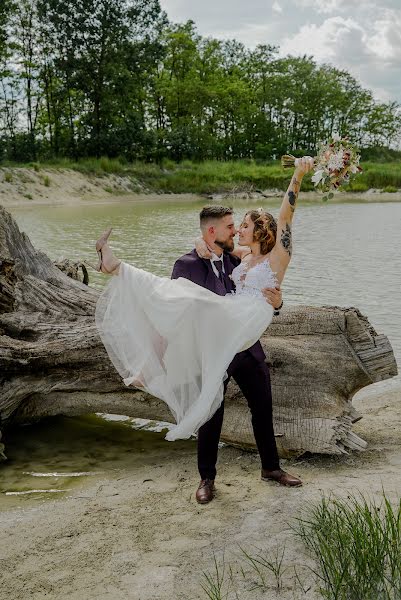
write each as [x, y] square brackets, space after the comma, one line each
[108, 263]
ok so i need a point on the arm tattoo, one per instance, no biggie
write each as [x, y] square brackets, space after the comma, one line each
[286, 239]
[292, 198]
[293, 194]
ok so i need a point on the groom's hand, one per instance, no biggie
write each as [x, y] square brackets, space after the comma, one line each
[273, 296]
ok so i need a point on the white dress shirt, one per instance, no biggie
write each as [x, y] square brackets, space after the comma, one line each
[214, 259]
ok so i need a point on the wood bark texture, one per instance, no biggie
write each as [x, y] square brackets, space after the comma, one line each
[52, 360]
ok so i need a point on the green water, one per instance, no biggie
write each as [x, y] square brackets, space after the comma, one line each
[344, 254]
[50, 459]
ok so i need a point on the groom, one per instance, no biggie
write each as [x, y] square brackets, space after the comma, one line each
[248, 368]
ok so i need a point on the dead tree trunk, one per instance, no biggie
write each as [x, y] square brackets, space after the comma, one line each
[52, 361]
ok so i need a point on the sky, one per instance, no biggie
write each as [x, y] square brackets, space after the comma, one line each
[360, 36]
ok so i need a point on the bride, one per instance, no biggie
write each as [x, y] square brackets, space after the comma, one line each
[174, 338]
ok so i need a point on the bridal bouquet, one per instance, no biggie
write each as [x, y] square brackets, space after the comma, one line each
[336, 162]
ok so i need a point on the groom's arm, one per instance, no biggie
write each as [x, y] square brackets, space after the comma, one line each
[180, 269]
[190, 268]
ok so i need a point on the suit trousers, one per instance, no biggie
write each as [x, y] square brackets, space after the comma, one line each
[253, 379]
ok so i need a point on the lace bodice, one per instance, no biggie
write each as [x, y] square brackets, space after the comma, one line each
[251, 281]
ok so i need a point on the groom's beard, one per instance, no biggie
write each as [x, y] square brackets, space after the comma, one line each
[227, 245]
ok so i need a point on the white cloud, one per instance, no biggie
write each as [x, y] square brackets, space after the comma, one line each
[385, 40]
[325, 6]
[276, 7]
[335, 37]
[371, 53]
[361, 37]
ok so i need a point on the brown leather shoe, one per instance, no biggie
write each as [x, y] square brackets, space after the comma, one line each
[281, 477]
[205, 491]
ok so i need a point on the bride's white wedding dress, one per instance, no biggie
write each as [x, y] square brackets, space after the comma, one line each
[176, 339]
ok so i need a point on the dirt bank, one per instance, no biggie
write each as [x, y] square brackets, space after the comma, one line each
[137, 533]
[20, 186]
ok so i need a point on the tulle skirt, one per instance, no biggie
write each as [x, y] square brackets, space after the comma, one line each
[176, 339]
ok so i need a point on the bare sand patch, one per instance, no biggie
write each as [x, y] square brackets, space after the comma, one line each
[139, 533]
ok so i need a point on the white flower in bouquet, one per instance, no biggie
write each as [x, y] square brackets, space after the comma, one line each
[336, 161]
[318, 176]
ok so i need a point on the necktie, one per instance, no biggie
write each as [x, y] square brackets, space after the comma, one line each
[222, 277]
[219, 266]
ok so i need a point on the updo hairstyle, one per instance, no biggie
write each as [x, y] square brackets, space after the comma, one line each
[265, 229]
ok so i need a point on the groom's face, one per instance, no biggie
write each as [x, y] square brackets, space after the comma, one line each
[225, 232]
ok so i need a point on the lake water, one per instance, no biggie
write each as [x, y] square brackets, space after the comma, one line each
[344, 255]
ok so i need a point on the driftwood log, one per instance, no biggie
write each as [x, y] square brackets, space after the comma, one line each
[52, 361]
[71, 269]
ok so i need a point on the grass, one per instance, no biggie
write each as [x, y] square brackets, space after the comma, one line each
[390, 189]
[213, 583]
[214, 176]
[265, 565]
[357, 546]
[221, 583]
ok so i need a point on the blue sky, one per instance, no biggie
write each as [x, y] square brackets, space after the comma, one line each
[361, 37]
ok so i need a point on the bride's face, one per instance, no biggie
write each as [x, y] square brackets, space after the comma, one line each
[245, 231]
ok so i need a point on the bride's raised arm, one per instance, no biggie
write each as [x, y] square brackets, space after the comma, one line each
[281, 254]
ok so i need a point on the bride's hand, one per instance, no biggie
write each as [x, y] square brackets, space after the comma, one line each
[304, 165]
[202, 249]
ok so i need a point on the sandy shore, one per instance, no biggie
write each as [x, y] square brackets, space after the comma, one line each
[53, 187]
[138, 533]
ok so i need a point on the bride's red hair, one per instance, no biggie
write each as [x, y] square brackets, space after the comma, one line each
[265, 229]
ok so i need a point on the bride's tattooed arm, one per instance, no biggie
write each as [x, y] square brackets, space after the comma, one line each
[284, 230]
[282, 252]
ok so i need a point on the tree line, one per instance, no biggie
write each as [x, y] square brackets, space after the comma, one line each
[116, 78]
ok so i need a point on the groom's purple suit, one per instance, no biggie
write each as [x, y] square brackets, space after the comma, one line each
[248, 369]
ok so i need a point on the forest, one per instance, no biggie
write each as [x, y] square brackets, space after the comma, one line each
[117, 79]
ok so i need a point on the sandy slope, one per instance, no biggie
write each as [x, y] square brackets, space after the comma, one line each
[138, 534]
[27, 187]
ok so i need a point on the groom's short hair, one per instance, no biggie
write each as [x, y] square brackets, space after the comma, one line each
[212, 212]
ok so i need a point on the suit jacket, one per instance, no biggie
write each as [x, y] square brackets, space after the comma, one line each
[200, 271]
